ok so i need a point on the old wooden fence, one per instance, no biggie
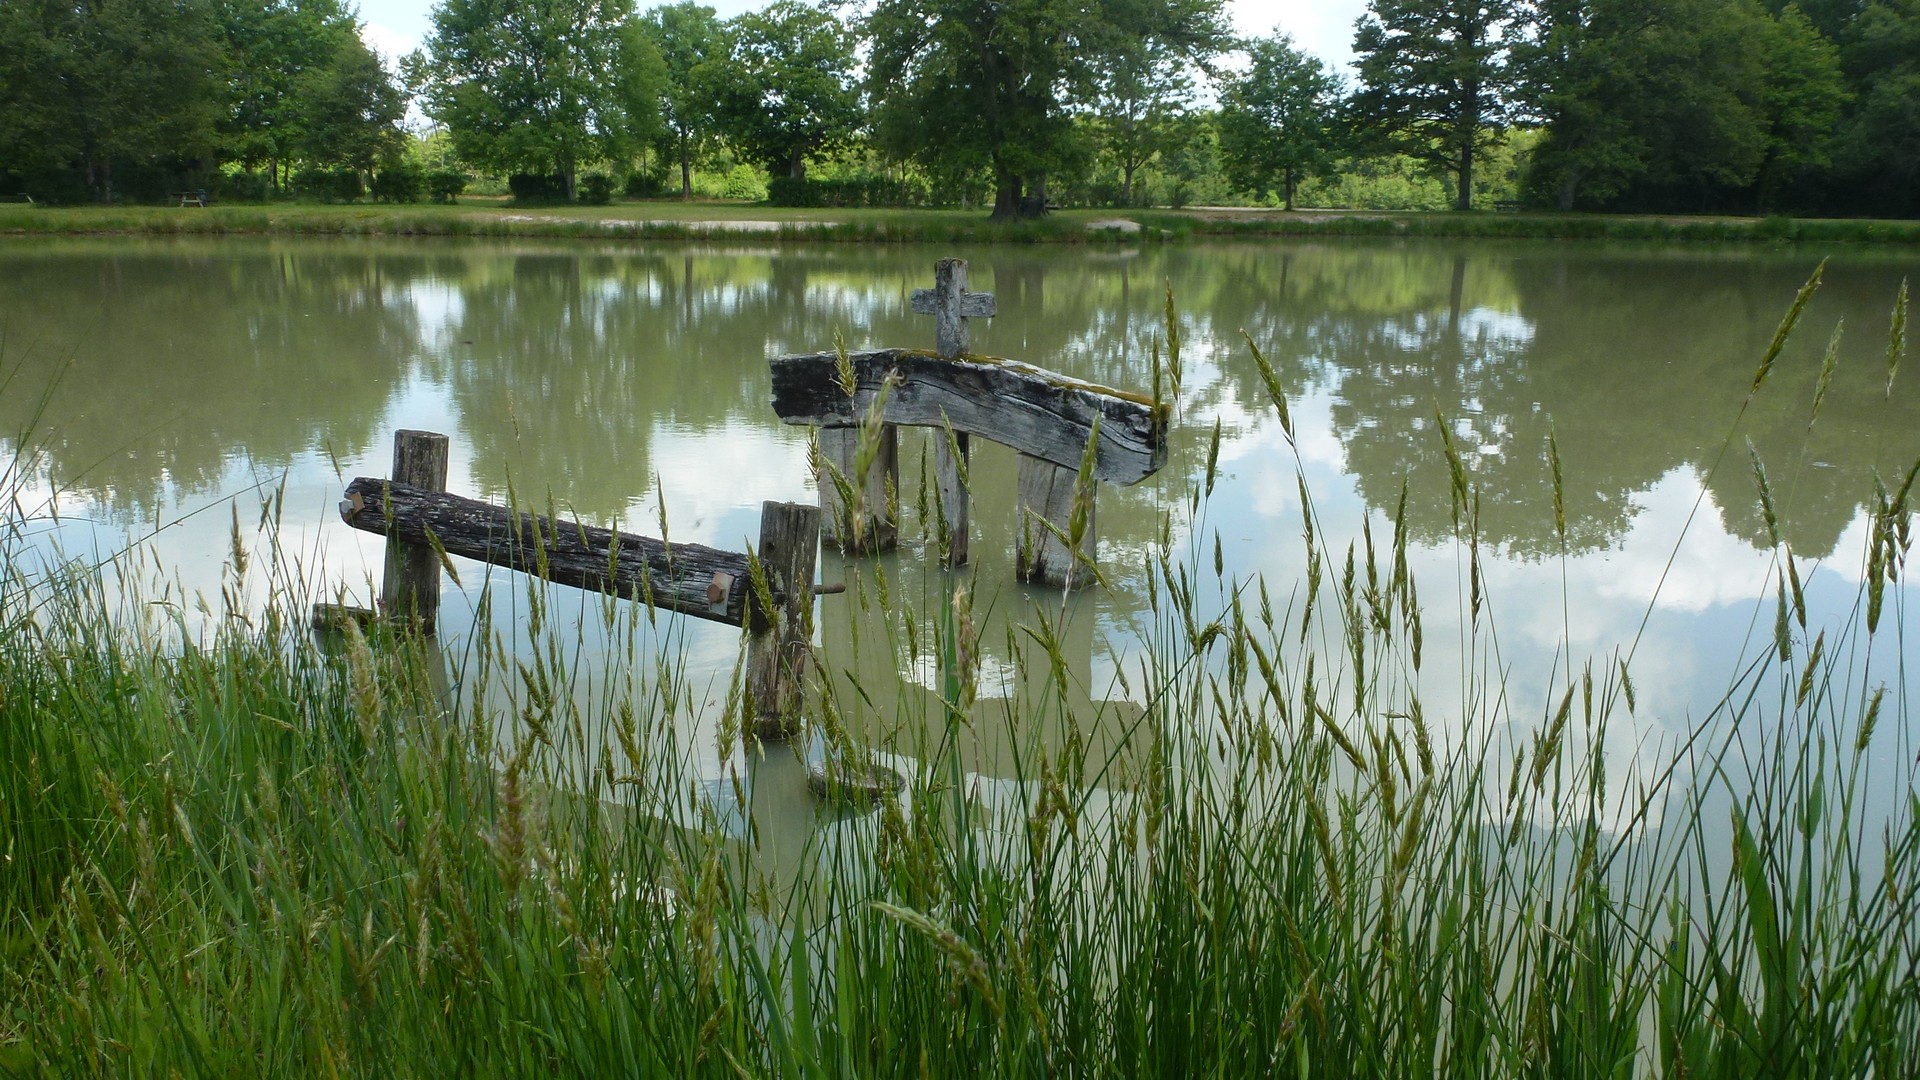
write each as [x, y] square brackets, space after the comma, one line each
[421, 521]
[1047, 417]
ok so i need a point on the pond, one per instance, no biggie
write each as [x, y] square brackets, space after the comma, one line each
[194, 381]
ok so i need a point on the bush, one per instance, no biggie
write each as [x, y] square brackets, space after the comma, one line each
[329, 185]
[400, 182]
[647, 183]
[536, 188]
[596, 189]
[445, 185]
[248, 187]
[743, 182]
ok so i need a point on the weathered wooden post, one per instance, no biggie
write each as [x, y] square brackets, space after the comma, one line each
[780, 636]
[1047, 496]
[951, 305]
[410, 585]
[870, 525]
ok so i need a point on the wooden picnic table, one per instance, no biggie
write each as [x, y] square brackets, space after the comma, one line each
[188, 198]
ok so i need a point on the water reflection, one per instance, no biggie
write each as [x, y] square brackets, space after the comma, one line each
[607, 377]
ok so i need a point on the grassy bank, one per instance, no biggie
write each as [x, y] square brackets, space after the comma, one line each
[245, 852]
[699, 221]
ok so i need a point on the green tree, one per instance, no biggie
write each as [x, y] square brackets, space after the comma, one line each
[1433, 76]
[693, 47]
[1278, 119]
[95, 88]
[966, 85]
[348, 110]
[1801, 104]
[302, 85]
[1878, 157]
[789, 88]
[1141, 92]
[524, 86]
[1677, 104]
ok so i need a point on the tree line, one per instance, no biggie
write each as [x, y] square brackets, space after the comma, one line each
[1751, 106]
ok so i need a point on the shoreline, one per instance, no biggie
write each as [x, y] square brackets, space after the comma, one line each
[706, 221]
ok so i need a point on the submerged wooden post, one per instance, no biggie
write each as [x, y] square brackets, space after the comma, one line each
[779, 639]
[410, 588]
[871, 524]
[950, 478]
[951, 305]
[1047, 495]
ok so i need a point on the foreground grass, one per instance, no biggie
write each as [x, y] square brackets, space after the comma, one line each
[672, 220]
[242, 853]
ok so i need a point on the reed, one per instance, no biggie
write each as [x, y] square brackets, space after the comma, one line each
[239, 850]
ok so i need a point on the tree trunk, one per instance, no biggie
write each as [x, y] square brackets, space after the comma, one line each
[1126, 187]
[1569, 187]
[1006, 195]
[686, 169]
[797, 164]
[1464, 200]
[1286, 177]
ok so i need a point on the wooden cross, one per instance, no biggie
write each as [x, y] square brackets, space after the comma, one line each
[952, 305]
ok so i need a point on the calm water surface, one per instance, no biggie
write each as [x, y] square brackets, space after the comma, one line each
[196, 376]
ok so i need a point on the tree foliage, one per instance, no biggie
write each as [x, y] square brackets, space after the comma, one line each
[1434, 80]
[534, 86]
[98, 88]
[966, 85]
[692, 42]
[1278, 119]
[789, 87]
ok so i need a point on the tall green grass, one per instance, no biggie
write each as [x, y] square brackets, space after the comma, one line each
[240, 851]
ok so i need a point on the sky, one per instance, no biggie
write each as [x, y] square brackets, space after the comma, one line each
[1321, 27]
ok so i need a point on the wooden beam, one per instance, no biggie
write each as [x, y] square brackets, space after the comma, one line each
[410, 581]
[779, 647]
[1037, 412]
[688, 578]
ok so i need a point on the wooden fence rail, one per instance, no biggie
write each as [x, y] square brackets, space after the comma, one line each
[421, 522]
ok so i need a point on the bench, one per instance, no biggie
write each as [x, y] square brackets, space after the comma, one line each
[1507, 206]
[188, 198]
[21, 197]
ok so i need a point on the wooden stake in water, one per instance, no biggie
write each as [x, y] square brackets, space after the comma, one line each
[951, 305]
[877, 529]
[410, 590]
[778, 641]
[1046, 497]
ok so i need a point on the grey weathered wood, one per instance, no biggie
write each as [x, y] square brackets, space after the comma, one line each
[1037, 412]
[410, 585]
[872, 525]
[949, 475]
[687, 578]
[337, 616]
[952, 305]
[778, 648]
[1047, 495]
